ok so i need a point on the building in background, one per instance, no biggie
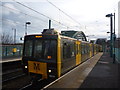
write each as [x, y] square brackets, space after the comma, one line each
[103, 42]
[74, 34]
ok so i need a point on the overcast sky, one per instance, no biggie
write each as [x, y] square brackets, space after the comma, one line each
[87, 16]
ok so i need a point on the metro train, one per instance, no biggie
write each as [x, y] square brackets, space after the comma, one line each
[50, 55]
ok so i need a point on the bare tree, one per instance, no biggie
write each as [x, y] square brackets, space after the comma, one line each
[6, 38]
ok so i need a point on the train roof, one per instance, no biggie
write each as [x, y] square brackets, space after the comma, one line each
[53, 36]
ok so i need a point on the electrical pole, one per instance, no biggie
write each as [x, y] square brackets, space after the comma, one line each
[111, 34]
[49, 24]
[114, 41]
[14, 30]
[26, 27]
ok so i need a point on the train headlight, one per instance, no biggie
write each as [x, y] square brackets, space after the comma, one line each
[49, 71]
[25, 66]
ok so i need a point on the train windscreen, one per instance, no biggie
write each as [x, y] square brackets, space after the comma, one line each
[28, 48]
[42, 49]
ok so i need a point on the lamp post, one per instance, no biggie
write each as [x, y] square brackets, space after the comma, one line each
[14, 35]
[111, 31]
[49, 24]
[27, 23]
[114, 37]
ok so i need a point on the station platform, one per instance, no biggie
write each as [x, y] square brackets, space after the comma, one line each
[97, 72]
[10, 59]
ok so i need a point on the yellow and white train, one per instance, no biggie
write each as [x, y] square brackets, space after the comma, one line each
[50, 55]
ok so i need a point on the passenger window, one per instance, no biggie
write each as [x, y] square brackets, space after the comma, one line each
[82, 49]
[68, 50]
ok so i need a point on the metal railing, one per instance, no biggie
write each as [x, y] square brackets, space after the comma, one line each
[11, 50]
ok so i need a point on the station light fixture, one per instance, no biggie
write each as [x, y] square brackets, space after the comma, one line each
[27, 23]
[108, 32]
[109, 15]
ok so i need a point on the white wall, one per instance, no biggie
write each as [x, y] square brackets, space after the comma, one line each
[119, 19]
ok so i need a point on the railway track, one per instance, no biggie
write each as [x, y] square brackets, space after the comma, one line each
[8, 66]
[31, 85]
[12, 77]
[38, 85]
[11, 70]
[12, 73]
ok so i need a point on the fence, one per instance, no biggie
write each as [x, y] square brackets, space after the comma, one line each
[11, 50]
[117, 49]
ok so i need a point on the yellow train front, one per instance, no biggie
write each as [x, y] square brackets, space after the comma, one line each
[50, 55]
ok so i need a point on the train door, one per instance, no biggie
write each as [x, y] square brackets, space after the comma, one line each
[94, 49]
[90, 50]
[78, 54]
[59, 57]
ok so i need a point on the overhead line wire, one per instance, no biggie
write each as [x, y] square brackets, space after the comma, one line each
[63, 12]
[23, 13]
[38, 12]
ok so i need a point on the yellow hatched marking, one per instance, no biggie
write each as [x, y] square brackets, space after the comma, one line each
[38, 68]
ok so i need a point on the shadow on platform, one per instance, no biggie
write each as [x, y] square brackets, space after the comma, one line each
[105, 74]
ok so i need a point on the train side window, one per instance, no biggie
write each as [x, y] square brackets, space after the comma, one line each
[67, 50]
[83, 48]
[72, 50]
[87, 48]
[64, 50]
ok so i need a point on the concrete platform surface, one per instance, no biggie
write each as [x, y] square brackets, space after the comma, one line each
[75, 77]
[104, 74]
[10, 59]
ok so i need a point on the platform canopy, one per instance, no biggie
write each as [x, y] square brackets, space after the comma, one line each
[74, 34]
